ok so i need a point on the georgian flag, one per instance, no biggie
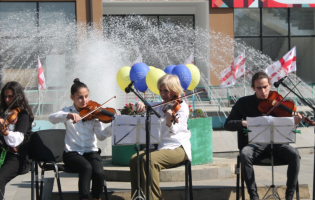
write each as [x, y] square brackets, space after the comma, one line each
[190, 59]
[40, 76]
[138, 60]
[283, 66]
[236, 70]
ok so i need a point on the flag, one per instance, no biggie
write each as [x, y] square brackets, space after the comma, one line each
[40, 76]
[236, 70]
[190, 59]
[138, 59]
[283, 66]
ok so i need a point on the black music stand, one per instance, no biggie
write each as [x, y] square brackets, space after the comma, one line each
[149, 110]
[271, 130]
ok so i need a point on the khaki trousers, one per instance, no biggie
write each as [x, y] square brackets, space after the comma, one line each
[161, 159]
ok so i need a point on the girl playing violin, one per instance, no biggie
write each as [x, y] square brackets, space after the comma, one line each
[14, 133]
[175, 143]
[81, 153]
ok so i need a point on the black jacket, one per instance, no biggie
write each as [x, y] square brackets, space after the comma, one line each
[245, 107]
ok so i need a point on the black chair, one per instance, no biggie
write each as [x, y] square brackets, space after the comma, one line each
[262, 162]
[47, 149]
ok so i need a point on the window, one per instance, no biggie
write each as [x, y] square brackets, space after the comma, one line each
[275, 31]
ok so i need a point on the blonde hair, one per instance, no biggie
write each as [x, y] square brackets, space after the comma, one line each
[171, 83]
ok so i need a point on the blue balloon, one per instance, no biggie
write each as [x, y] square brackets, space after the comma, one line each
[141, 85]
[183, 74]
[138, 71]
[168, 69]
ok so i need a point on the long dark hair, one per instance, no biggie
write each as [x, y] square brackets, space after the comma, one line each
[21, 101]
[77, 84]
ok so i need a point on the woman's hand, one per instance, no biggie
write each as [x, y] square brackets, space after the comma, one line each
[169, 117]
[1, 121]
[140, 107]
[74, 116]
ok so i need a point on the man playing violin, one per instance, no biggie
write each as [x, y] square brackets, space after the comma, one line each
[248, 107]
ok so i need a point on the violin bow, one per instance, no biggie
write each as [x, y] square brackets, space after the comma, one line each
[282, 99]
[97, 108]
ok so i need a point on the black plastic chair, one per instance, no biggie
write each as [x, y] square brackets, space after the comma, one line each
[47, 150]
[262, 162]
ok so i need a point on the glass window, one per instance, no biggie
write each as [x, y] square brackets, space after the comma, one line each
[17, 18]
[253, 42]
[246, 22]
[302, 21]
[305, 58]
[275, 48]
[274, 21]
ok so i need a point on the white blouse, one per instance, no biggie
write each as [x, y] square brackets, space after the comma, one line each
[178, 134]
[14, 138]
[81, 136]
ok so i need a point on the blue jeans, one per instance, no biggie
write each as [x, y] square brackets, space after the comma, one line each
[254, 152]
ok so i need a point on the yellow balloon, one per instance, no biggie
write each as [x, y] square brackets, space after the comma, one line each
[195, 76]
[122, 77]
[152, 78]
[151, 67]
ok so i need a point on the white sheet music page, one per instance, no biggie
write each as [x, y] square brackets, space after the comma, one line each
[127, 130]
[265, 129]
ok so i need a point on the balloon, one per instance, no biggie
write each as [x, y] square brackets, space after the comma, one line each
[169, 69]
[183, 74]
[138, 71]
[141, 85]
[195, 76]
[151, 67]
[152, 78]
[122, 77]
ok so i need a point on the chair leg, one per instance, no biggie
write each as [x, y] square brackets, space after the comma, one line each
[41, 184]
[242, 187]
[190, 182]
[58, 180]
[32, 180]
[297, 191]
[36, 181]
[186, 180]
[105, 190]
[237, 172]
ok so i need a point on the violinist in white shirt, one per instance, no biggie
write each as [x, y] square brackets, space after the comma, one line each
[175, 144]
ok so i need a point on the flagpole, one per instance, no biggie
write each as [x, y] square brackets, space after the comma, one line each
[194, 115]
[38, 101]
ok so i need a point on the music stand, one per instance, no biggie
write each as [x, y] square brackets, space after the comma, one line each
[128, 130]
[271, 130]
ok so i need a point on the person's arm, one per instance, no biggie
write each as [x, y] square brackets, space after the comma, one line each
[101, 132]
[16, 137]
[181, 126]
[234, 122]
[63, 116]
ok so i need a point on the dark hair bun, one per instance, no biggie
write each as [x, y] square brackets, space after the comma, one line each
[77, 80]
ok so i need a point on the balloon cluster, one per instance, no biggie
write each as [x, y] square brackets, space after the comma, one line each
[145, 76]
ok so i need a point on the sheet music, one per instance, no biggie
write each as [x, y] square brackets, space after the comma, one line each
[127, 129]
[267, 128]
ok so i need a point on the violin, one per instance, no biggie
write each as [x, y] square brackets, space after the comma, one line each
[93, 110]
[174, 106]
[275, 105]
[8, 118]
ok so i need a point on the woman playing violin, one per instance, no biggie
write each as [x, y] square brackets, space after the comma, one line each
[81, 153]
[248, 107]
[175, 144]
[14, 133]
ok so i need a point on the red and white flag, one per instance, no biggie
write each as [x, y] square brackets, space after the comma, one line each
[190, 59]
[236, 70]
[138, 60]
[40, 76]
[283, 66]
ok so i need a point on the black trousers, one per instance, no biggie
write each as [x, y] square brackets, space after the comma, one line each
[283, 152]
[12, 167]
[89, 166]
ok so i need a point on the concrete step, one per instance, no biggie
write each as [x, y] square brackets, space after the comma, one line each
[199, 193]
[218, 168]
